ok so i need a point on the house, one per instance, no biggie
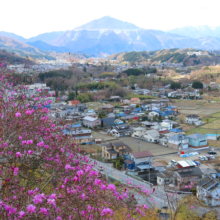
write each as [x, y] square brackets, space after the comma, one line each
[81, 136]
[108, 122]
[91, 122]
[108, 108]
[72, 127]
[138, 132]
[197, 140]
[187, 175]
[163, 178]
[208, 190]
[178, 141]
[142, 159]
[169, 124]
[122, 130]
[135, 101]
[126, 101]
[152, 114]
[151, 136]
[175, 131]
[74, 102]
[114, 150]
[193, 119]
[158, 166]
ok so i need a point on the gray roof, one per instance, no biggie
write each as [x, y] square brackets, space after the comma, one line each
[192, 116]
[195, 171]
[197, 136]
[178, 137]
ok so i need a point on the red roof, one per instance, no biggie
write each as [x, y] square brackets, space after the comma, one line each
[163, 132]
[134, 99]
[74, 102]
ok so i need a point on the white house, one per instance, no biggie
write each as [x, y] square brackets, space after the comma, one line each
[91, 122]
[143, 157]
[138, 132]
[193, 119]
[152, 114]
[168, 124]
[178, 141]
[151, 136]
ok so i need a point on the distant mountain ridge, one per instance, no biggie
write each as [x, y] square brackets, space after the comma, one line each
[110, 35]
[197, 32]
[108, 23]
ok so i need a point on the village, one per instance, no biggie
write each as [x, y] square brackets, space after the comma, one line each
[152, 140]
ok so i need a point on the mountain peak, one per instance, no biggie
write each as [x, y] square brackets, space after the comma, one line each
[108, 23]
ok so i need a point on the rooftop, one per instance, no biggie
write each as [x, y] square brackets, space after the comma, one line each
[142, 154]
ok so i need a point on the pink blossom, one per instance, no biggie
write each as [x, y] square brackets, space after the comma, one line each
[18, 154]
[30, 152]
[17, 114]
[16, 169]
[20, 137]
[21, 214]
[106, 211]
[111, 187]
[43, 210]
[31, 209]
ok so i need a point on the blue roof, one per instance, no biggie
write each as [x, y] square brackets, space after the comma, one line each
[121, 115]
[176, 130]
[138, 109]
[75, 126]
[65, 131]
[215, 135]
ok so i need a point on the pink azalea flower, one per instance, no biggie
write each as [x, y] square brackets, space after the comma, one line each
[31, 209]
[17, 114]
[18, 154]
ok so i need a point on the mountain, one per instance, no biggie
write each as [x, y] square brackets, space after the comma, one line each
[110, 36]
[197, 32]
[108, 23]
[22, 49]
[44, 46]
[46, 37]
[13, 36]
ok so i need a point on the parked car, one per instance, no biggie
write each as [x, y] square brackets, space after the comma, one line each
[209, 158]
[205, 158]
[173, 162]
[201, 158]
[197, 163]
[212, 157]
[212, 152]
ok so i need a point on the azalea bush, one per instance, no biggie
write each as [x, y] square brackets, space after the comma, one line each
[43, 175]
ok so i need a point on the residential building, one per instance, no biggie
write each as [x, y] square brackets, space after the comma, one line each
[178, 141]
[141, 157]
[135, 101]
[114, 150]
[74, 102]
[91, 122]
[108, 122]
[151, 136]
[81, 136]
[187, 175]
[108, 108]
[169, 124]
[193, 119]
[197, 140]
[138, 132]
[208, 190]
[121, 130]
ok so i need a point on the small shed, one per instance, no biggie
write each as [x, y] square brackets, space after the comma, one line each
[212, 136]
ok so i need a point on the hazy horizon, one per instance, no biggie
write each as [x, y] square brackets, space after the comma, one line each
[31, 18]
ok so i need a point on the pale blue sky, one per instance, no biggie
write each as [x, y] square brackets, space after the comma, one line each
[29, 18]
